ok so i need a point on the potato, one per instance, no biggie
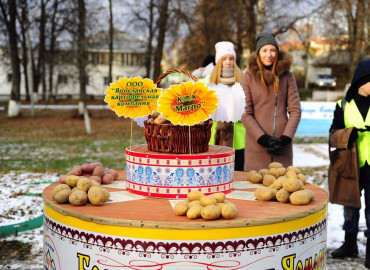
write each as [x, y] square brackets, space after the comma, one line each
[98, 171]
[264, 194]
[87, 175]
[106, 193]
[95, 183]
[290, 174]
[71, 180]
[301, 177]
[281, 171]
[256, 178]
[95, 178]
[221, 204]
[301, 197]
[96, 196]
[186, 202]
[207, 200]
[274, 172]
[62, 196]
[268, 180]
[160, 120]
[274, 191]
[219, 196]
[275, 165]
[193, 203]
[263, 172]
[154, 115]
[300, 184]
[282, 195]
[292, 184]
[194, 212]
[114, 173]
[84, 184]
[62, 179]
[95, 164]
[249, 175]
[87, 168]
[278, 184]
[76, 170]
[107, 179]
[211, 212]
[229, 211]
[295, 169]
[78, 197]
[58, 188]
[181, 209]
[194, 195]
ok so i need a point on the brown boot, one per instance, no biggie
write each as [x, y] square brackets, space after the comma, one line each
[349, 247]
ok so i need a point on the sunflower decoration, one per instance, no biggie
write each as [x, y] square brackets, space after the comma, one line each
[132, 97]
[187, 103]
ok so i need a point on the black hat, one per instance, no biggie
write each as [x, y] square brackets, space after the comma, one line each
[265, 38]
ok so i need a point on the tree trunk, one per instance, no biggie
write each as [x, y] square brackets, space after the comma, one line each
[24, 28]
[251, 24]
[15, 95]
[41, 62]
[110, 79]
[260, 15]
[52, 48]
[81, 58]
[356, 30]
[161, 36]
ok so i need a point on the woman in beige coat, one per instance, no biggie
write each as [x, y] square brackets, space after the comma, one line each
[273, 108]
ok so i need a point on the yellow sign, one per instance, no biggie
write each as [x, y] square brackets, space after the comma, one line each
[187, 103]
[132, 97]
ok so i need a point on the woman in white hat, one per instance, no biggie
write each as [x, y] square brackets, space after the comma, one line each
[228, 73]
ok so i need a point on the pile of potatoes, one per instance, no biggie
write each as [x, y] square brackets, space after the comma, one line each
[94, 171]
[157, 118]
[209, 207]
[282, 184]
[78, 190]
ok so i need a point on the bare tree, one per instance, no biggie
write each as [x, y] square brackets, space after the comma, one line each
[24, 25]
[82, 62]
[8, 16]
[161, 36]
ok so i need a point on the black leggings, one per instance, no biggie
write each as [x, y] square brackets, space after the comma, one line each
[239, 160]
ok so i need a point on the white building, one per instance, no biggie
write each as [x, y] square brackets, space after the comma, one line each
[128, 61]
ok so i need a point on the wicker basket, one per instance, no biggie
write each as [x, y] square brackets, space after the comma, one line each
[169, 138]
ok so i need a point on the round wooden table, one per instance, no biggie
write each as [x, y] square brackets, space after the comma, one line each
[131, 231]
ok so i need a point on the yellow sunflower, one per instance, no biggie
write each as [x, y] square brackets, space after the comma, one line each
[132, 97]
[187, 103]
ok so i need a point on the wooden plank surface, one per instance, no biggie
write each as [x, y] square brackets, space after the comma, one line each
[155, 212]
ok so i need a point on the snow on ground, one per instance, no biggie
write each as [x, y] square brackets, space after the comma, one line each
[21, 208]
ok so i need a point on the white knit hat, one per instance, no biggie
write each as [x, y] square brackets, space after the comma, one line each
[223, 48]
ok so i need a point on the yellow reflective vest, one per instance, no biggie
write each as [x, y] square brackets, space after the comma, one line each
[239, 135]
[353, 118]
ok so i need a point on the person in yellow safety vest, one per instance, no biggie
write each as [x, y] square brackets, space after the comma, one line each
[227, 72]
[353, 112]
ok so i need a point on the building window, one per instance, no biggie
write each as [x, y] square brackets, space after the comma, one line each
[10, 77]
[62, 79]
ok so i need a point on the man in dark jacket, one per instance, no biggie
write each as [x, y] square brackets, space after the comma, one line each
[353, 113]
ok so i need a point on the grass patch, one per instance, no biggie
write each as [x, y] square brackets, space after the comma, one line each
[56, 142]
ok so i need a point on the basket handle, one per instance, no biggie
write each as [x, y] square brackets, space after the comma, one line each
[160, 78]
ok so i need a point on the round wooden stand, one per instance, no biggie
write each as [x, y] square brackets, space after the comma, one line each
[136, 232]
